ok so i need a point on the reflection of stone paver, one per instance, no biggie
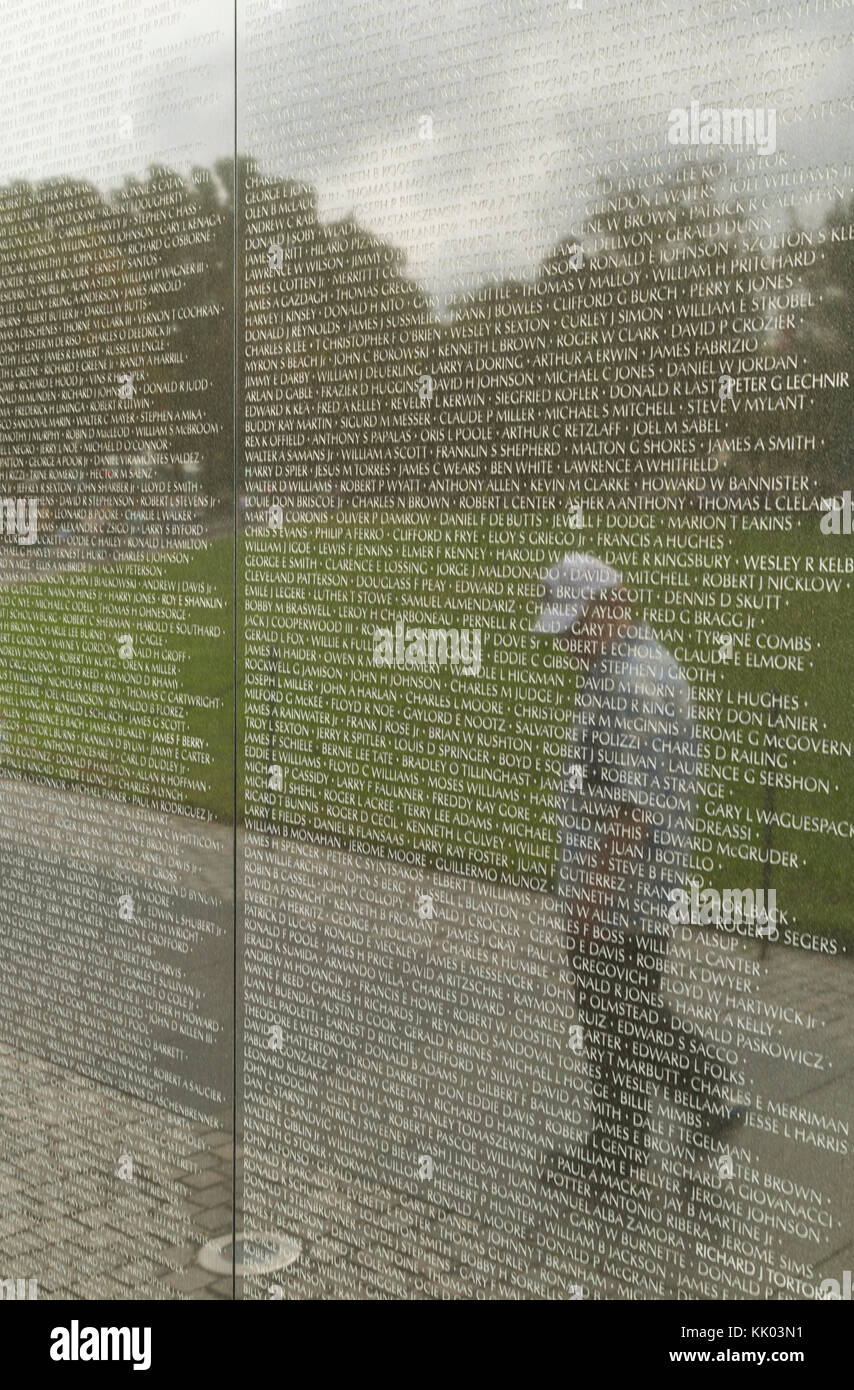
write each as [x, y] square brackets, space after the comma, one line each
[71, 1222]
[65, 1214]
[89, 827]
[482, 1226]
[116, 923]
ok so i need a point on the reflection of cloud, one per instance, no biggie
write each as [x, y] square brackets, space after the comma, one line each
[525, 109]
[107, 90]
[527, 104]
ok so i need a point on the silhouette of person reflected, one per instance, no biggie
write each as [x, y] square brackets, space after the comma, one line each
[626, 808]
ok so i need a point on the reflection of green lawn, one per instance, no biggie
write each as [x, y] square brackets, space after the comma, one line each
[420, 758]
[75, 711]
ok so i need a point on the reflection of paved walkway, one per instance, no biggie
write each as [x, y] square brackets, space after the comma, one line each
[456, 1049]
[67, 1217]
[88, 998]
[410, 1032]
[118, 919]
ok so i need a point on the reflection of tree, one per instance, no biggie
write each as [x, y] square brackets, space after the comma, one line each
[375, 395]
[98, 292]
[336, 337]
[669, 263]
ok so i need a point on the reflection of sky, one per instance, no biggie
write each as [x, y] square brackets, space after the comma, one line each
[525, 96]
[115, 85]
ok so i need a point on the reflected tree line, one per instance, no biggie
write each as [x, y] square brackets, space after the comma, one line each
[376, 394]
